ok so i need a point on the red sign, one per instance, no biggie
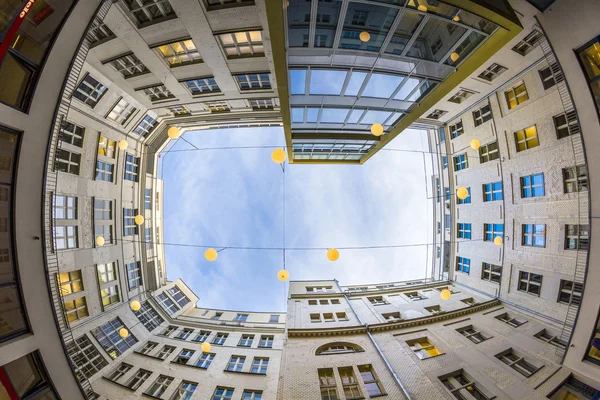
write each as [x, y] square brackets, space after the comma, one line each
[12, 31]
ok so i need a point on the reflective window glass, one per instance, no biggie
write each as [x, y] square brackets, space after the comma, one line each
[408, 25]
[334, 115]
[328, 13]
[327, 82]
[434, 40]
[360, 17]
[373, 116]
[355, 116]
[297, 81]
[355, 83]
[298, 17]
[381, 85]
[407, 88]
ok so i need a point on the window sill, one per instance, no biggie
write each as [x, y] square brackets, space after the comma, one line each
[244, 372]
[119, 384]
[189, 365]
[151, 396]
[378, 395]
[148, 355]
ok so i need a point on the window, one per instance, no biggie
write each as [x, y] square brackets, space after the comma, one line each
[241, 317]
[217, 106]
[463, 231]
[261, 104]
[65, 207]
[128, 65]
[341, 316]
[328, 317]
[266, 341]
[457, 129]
[377, 300]
[134, 277]
[251, 394]
[472, 334]
[461, 162]
[423, 348]
[259, 365]
[588, 59]
[184, 356]
[103, 219]
[392, 317]
[463, 387]
[530, 283]
[318, 289]
[71, 133]
[99, 33]
[415, 296]
[532, 186]
[436, 114]
[534, 235]
[570, 292]
[167, 304]
[246, 340]
[148, 12]
[220, 338]
[548, 337]
[566, 124]
[205, 360]
[178, 295]
[159, 386]
[138, 379]
[202, 85]
[156, 93]
[148, 316]
[492, 72]
[104, 171]
[108, 336]
[165, 352]
[76, 309]
[338, 348]
[182, 52]
[528, 42]
[129, 225]
[236, 363]
[65, 237]
[469, 301]
[107, 147]
[179, 110]
[492, 191]
[86, 356]
[132, 165]
[185, 334]
[576, 237]
[148, 347]
[491, 231]
[222, 393]
[26, 378]
[66, 161]
[482, 115]
[460, 96]
[447, 190]
[592, 352]
[109, 283]
[463, 264]
[526, 138]
[119, 372]
[489, 152]
[89, 91]
[327, 384]
[507, 319]
[515, 96]
[217, 315]
[547, 78]
[349, 384]
[370, 380]
[491, 272]
[184, 391]
[466, 200]
[434, 310]
[242, 44]
[259, 81]
[146, 126]
[445, 159]
[274, 318]
[575, 179]
[202, 336]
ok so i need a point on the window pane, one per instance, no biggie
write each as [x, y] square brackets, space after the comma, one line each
[381, 85]
[327, 82]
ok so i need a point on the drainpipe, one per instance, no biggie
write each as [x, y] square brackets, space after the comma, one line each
[386, 362]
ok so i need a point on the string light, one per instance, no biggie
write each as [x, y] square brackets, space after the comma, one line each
[135, 305]
[475, 144]
[173, 132]
[462, 193]
[365, 36]
[377, 129]
[445, 294]
[123, 332]
[333, 254]
[454, 56]
[283, 275]
[498, 240]
[205, 347]
[139, 219]
[100, 241]
[123, 144]
[456, 18]
[278, 156]
[210, 254]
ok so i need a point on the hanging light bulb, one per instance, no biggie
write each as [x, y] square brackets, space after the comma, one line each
[173, 132]
[454, 56]
[286, 4]
[498, 240]
[123, 332]
[377, 129]
[475, 144]
[333, 254]
[456, 18]
[445, 294]
[205, 347]
[135, 305]
[99, 241]
[123, 144]
[365, 36]
[139, 219]
[422, 8]
[278, 156]
[210, 254]
[462, 193]
[283, 275]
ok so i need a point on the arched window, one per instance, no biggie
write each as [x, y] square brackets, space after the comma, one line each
[338, 348]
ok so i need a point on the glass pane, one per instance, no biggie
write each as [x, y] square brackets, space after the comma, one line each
[298, 81]
[372, 117]
[327, 82]
[312, 114]
[355, 83]
[381, 85]
[408, 25]
[298, 22]
[327, 18]
[466, 47]
[298, 114]
[334, 115]
[435, 40]
[376, 20]
[354, 116]
[407, 88]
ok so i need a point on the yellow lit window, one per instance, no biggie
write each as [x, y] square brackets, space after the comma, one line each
[70, 282]
[106, 147]
[180, 53]
[517, 95]
[527, 138]
[242, 44]
[76, 309]
[423, 348]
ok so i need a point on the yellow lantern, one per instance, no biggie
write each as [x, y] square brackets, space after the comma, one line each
[99, 241]
[278, 156]
[135, 305]
[365, 36]
[123, 144]
[475, 144]
[283, 275]
[123, 332]
[286, 4]
[469, 388]
[173, 132]
[454, 56]
[333, 254]
[462, 193]
[139, 219]
[210, 254]
[377, 129]
[422, 8]
[445, 294]
[205, 347]
[456, 18]
[498, 240]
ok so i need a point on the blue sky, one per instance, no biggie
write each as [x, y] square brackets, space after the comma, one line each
[234, 198]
